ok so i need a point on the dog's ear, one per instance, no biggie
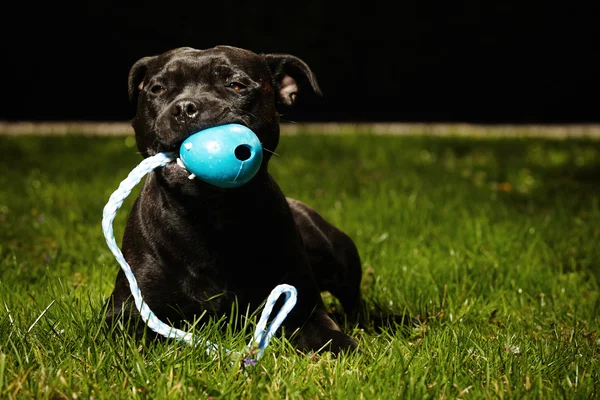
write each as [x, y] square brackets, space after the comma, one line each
[290, 74]
[136, 77]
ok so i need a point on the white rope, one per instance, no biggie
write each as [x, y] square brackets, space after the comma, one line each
[262, 335]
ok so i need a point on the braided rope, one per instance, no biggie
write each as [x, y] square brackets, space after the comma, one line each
[262, 334]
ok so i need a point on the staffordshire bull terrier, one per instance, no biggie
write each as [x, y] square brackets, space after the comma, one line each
[196, 248]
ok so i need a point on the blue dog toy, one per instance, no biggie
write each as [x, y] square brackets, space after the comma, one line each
[226, 156]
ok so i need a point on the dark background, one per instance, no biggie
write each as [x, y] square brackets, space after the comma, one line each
[413, 61]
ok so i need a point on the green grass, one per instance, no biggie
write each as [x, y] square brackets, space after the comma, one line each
[494, 244]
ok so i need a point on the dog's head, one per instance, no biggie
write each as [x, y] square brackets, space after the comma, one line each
[184, 90]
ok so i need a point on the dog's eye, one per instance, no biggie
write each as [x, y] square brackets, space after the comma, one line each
[157, 89]
[236, 86]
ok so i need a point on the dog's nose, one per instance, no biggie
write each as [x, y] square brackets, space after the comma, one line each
[184, 108]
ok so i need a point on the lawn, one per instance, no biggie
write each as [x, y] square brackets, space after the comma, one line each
[493, 244]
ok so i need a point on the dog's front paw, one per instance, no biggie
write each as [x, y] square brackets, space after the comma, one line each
[321, 334]
[340, 342]
[330, 340]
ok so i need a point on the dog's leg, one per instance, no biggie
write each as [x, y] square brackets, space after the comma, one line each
[336, 265]
[333, 257]
[121, 313]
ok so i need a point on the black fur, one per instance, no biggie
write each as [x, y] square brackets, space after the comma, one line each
[194, 247]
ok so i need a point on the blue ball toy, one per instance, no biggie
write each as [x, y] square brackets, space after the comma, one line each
[226, 156]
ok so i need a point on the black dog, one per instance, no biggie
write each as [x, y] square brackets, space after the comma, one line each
[197, 248]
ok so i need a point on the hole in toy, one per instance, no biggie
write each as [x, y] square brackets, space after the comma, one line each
[242, 152]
